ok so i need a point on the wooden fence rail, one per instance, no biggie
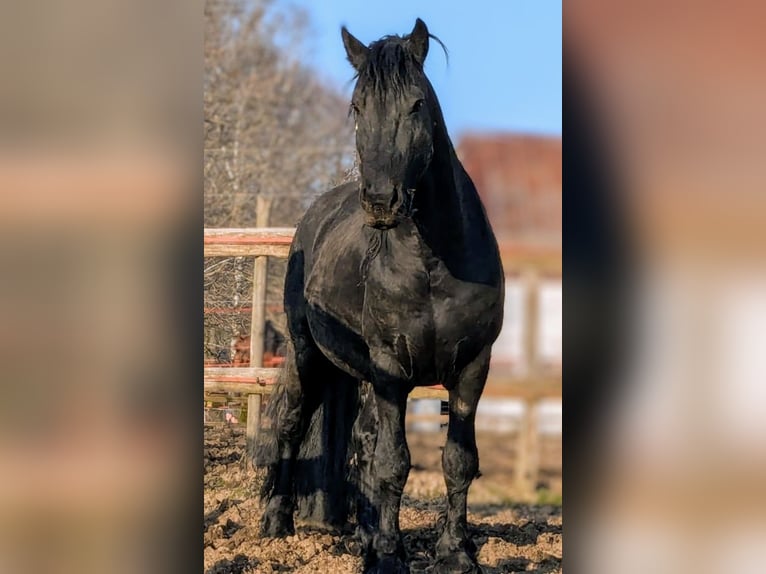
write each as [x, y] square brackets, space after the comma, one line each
[255, 381]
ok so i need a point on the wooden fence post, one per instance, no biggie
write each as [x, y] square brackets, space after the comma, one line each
[528, 455]
[528, 442]
[257, 327]
[531, 321]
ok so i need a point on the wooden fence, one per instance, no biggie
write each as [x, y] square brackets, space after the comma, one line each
[255, 381]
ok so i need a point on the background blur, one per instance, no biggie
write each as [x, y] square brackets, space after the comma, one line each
[100, 131]
[669, 465]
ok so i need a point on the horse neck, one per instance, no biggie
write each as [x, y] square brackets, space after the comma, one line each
[439, 199]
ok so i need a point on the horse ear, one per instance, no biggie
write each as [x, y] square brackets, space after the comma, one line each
[355, 50]
[418, 41]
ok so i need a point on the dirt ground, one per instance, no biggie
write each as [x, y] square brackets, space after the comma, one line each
[511, 536]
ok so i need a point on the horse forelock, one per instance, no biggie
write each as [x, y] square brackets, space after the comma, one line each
[390, 68]
[392, 65]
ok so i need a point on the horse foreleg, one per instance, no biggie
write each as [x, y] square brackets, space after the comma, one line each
[460, 463]
[391, 466]
[365, 437]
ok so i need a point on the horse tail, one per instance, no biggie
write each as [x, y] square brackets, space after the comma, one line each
[327, 477]
[324, 484]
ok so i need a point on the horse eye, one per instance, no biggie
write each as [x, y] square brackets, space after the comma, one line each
[418, 105]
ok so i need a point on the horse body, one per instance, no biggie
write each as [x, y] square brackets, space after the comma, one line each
[411, 317]
[393, 280]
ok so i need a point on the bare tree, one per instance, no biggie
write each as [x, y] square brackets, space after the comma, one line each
[273, 128]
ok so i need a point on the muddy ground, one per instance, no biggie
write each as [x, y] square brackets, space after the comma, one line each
[512, 536]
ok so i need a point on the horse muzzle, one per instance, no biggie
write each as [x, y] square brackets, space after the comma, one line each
[387, 211]
[382, 222]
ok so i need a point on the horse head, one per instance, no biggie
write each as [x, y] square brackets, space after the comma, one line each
[395, 112]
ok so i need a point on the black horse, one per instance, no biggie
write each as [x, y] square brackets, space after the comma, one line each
[394, 279]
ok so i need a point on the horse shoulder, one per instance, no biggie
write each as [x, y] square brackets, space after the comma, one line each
[335, 249]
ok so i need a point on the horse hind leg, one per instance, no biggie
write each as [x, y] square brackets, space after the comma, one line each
[455, 552]
[290, 409]
[314, 407]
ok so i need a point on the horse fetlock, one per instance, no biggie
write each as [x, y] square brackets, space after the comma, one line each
[387, 565]
[460, 562]
[277, 518]
[277, 526]
[363, 537]
[386, 556]
[453, 539]
[388, 545]
[455, 552]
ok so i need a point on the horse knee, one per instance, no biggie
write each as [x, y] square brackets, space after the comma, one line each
[392, 476]
[460, 465]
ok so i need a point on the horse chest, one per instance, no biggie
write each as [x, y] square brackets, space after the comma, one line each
[397, 297]
[419, 320]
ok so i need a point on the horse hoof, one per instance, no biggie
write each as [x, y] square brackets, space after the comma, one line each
[388, 565]
[360, 544]
[276, 524]
[456, 563]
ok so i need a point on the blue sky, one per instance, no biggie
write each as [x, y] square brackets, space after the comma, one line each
[504, 71]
